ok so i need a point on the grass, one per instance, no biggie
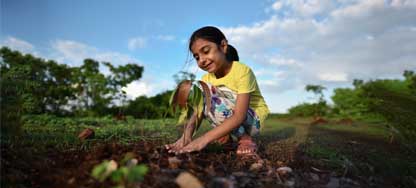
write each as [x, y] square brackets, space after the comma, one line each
[62, 133]
[360, 128]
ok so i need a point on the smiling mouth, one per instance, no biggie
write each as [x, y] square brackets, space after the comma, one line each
[206, 67]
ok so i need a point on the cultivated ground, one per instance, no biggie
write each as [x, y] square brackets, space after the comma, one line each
[332, 154]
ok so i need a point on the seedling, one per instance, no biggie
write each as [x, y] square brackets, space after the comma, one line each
[124, 176]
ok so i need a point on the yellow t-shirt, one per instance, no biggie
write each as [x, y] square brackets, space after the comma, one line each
[241, 79]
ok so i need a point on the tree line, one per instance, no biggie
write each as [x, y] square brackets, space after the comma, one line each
[390, 100]
[32, 85]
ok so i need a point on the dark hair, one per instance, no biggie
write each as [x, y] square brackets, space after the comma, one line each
[232, 54]
[214, 35]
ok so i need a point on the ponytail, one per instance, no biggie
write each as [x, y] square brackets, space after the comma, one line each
[231, 54]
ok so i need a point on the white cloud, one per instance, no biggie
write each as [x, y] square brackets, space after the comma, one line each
[71, 52]
[356, 43]
[283, 61]
[302, 8]
[277, 5]
[19, 45]
[403, 3]
[74, 53]
[329, 42]
[337, 77]
[310, 7]
[136, 43]
[359, 9]
[138, 88]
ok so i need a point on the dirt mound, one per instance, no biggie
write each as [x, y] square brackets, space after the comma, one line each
[319, 121]
[345, 121]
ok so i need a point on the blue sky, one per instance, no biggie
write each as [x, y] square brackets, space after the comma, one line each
[288, 44]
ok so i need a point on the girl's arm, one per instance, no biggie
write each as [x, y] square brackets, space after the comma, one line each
[225, 128]
[187, 134]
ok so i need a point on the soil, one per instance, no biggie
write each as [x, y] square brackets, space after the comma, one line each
[73, 168]
[214, 166]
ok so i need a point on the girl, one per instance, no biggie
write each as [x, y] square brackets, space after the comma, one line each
[233, 103]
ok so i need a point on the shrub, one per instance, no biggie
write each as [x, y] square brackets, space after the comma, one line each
[396, 104]
[307, 109]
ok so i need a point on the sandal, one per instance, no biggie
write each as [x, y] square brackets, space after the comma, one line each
[246, 147]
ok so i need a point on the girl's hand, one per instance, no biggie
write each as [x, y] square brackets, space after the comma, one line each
[179, 144]
[196, 145]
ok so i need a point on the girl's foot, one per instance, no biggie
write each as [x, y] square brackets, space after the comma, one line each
[246, 146]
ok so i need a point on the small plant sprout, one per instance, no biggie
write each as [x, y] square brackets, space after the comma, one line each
[124, 176]
[187, 96]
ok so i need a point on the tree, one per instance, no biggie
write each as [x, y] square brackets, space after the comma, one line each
[25, 74]
[410, 79]
[303, 110]
[91, 87]
[58, 82]
[321, 103]
[40, 86]
[357, 83]
[97, 91]
[121, 76]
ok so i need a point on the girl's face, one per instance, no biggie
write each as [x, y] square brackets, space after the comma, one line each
[209, 56]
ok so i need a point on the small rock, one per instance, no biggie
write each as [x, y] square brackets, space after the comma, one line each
[319, 171]
[132, 162]
[210, 170]
[270, 172]
[174, 162]
[239, 174]
[155, 155]
[353, 142]
[314, 176]
[257, 165]
[284, 170]
[290, 183]
[285, 175]
[333, 183]
[71, 181]
[280, 163]
[349, 181]
[187, 180]
[86, 134]
[220, 182]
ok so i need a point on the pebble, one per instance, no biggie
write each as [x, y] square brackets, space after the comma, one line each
[314, 176]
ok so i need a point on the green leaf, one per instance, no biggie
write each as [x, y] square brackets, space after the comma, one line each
[183, 116]
[99, 170]
[127, 157]
[137, 173]
[117, 176]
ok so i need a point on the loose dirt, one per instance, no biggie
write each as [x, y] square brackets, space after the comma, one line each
[213, 166]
